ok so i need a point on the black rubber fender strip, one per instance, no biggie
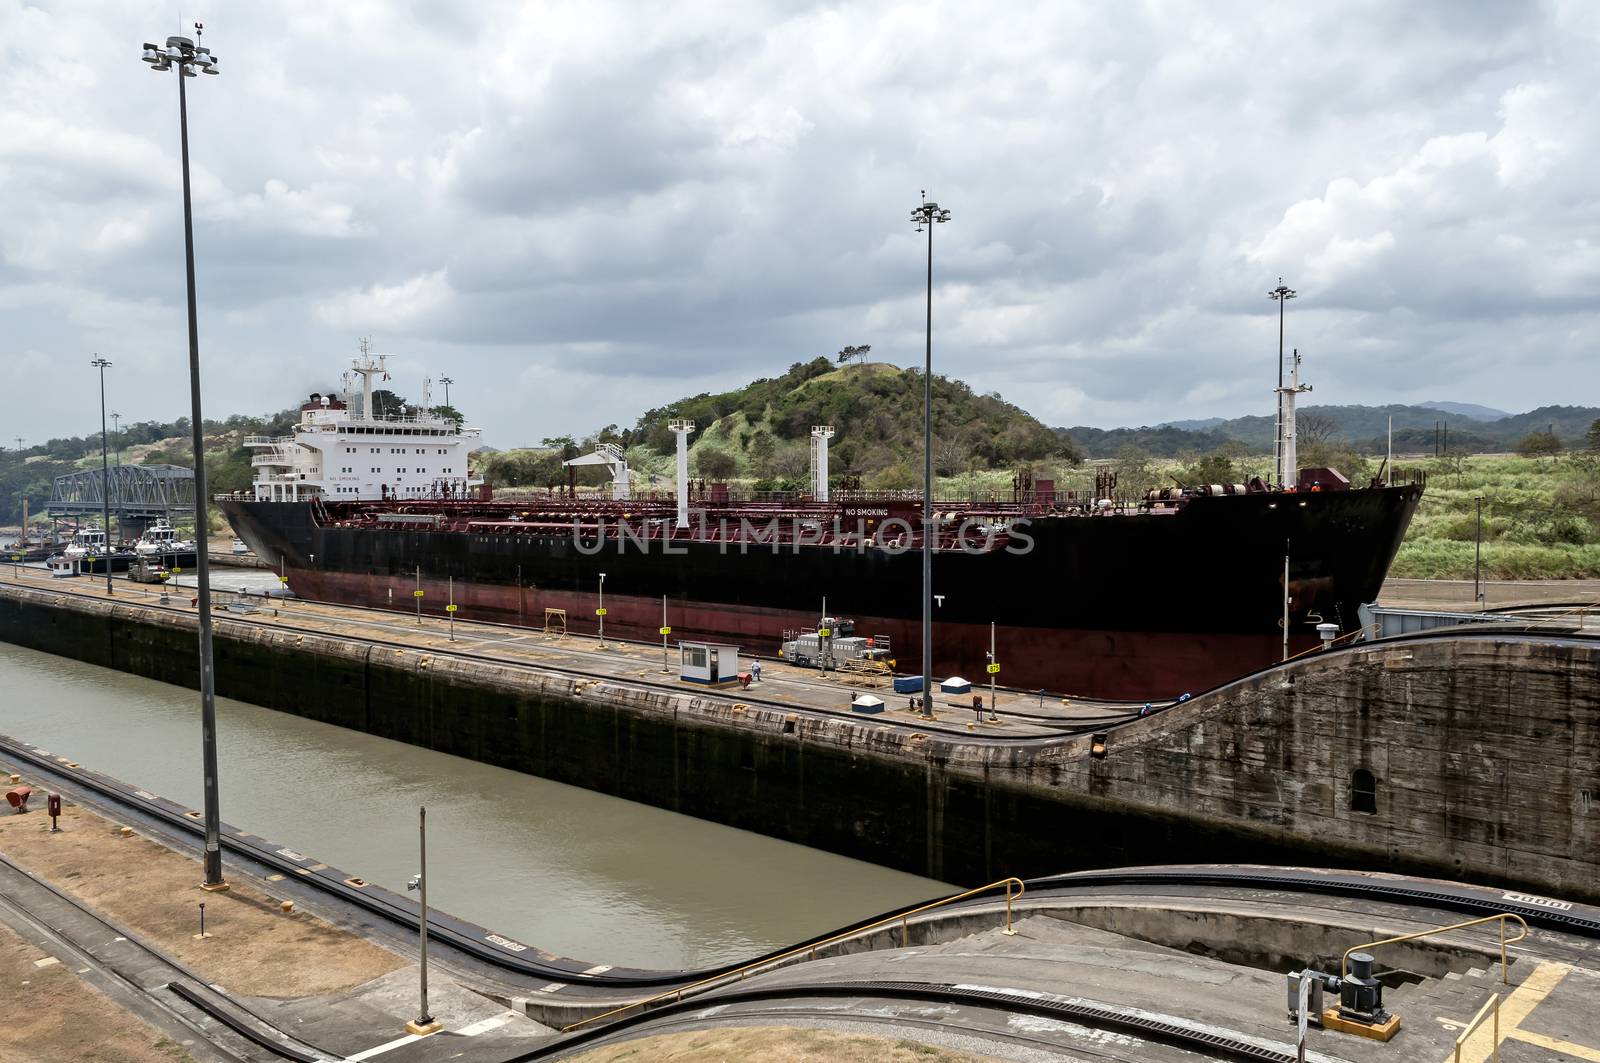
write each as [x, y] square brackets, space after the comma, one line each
[1464, 899]
[1097, 1016]
[245, 1029]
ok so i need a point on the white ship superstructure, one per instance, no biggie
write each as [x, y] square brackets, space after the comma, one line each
[347, 455]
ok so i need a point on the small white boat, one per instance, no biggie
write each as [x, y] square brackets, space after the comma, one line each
[161, 539]
[85, 542]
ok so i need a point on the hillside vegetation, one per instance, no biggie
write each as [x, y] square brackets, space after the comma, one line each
[1362, 428]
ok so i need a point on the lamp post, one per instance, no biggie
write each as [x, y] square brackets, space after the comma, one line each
[105, 473]
[1477, 558]
[424, 1023]
[1281, 295]
[189, 58]
[926, 216]
[601, 611]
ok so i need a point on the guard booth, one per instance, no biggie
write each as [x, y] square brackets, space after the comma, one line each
[709, 663]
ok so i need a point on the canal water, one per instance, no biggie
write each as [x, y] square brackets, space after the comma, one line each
[575, 872]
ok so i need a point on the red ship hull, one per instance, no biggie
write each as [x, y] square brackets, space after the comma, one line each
[1114, 665]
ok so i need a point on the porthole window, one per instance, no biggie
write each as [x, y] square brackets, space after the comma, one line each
[1363, 792]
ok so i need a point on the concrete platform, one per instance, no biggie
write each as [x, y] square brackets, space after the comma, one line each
[1547, 1005]
[1022, 714]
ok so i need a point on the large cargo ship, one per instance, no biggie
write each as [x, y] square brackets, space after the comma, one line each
[1170, 593]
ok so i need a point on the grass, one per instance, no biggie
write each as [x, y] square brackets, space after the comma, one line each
[1541, 516]
[1539, 520]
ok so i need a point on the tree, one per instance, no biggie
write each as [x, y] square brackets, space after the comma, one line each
[1539, 445]
[1313, 428]
[1134, 475]
[859, 353]
[1592, 440]
[1221, 466]
[449, 413]
[792, 461]
[714, 463]
[950, 455]
[386, 403]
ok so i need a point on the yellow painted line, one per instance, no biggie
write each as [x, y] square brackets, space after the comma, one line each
[1566, 1048]
[1517, 1007]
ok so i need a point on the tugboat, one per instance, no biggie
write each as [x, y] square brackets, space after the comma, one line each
[161, 540]
[89, 550]
[86, 542]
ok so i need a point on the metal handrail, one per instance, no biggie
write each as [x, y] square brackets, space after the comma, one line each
[740, 972]
[1344, 965]
[1477, 1020]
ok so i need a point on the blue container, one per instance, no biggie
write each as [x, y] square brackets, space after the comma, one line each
[908, 684]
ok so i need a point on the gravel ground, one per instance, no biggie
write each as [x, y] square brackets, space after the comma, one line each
[48, 1014]
[251, 948]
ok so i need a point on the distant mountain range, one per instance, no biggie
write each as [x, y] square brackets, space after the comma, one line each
[1471, 428]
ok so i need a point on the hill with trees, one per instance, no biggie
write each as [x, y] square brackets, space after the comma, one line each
[762, 431]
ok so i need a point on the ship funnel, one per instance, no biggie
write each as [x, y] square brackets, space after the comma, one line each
[682, 430]
[820, 434]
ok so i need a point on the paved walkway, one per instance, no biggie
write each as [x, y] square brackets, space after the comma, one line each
[1546, 1011]
[1021, 714]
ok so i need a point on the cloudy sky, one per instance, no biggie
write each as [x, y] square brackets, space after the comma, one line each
[582, 210]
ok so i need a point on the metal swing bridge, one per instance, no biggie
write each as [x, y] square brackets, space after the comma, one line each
[137, 492]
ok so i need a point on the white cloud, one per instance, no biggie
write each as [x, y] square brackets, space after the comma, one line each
[633, 208]
[390, 309]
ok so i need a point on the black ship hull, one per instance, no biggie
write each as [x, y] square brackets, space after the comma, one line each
[1131, 606]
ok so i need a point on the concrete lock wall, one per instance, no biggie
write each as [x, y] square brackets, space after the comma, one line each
[1485, 752]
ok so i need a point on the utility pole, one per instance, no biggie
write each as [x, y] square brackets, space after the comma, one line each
[1477, 559]
[446, 381]
[665, 631]
[105, 472]
[601, 611]
[1286, 599]
[927, 215]
[417, 595]
[994, 672]
[424, 1023]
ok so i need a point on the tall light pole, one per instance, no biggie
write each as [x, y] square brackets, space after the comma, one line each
[927, 216]
[1281, 294]
[105, 473]
[189, 58]
[1477, 558]
[446, 381]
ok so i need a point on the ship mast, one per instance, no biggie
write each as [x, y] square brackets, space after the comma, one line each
[1286, 397]
[368, 369]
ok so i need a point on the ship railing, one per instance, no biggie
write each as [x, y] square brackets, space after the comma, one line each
[739, 973]
[268, 441]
